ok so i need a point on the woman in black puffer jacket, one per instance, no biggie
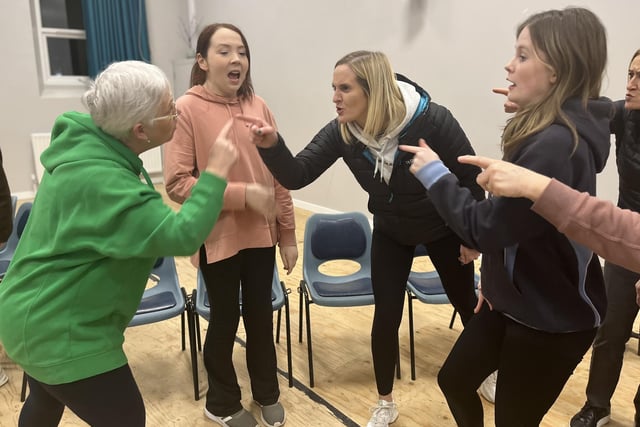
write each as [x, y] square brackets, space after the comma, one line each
[378, 110]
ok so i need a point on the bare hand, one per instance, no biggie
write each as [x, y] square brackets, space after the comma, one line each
[507, 179]
[289, 255]
[481, 300]
[423, 155]
[223, 153]
[260, 133]
[638, 292]
[467, 255]
[509, 107]
[261, 199]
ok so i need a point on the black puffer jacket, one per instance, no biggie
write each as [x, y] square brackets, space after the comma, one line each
[401, 208]
[626, 127]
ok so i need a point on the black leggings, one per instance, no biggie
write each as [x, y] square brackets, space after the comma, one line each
[390, 266]
[253, 267]
[533, 367]
[109, 399]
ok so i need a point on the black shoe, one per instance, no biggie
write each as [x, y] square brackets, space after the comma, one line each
[591, 416]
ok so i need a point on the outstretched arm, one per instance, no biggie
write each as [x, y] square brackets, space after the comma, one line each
[609, 231]
[507, 179]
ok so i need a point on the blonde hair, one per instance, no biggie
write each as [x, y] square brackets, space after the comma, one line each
[573, 43]
[385, 106]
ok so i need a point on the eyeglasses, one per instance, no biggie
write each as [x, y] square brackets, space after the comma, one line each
[172, 116]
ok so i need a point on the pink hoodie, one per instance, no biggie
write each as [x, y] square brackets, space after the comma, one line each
[202, 115]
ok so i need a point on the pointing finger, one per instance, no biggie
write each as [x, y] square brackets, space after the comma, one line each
[482, 162]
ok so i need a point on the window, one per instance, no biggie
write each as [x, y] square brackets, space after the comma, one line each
[60, 46]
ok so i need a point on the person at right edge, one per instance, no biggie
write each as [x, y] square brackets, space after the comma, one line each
[608, 348]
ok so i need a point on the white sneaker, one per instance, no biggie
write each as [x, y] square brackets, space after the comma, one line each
[383, 414]
[488, 387]
[3, 378]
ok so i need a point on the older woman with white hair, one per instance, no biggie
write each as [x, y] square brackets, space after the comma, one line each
[93, 235]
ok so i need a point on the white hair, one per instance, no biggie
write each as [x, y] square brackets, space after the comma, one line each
[124, 94]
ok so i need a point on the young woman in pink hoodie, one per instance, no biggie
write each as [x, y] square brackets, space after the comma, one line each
[256, 215]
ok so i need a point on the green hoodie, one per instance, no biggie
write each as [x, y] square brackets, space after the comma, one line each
[82, 264]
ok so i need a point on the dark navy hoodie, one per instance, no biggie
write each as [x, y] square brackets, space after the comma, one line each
[531, 272]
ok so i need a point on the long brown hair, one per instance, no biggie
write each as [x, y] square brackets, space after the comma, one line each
[199, 76]
[573, 43]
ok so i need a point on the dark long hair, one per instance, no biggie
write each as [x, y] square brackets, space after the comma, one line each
[199, 76]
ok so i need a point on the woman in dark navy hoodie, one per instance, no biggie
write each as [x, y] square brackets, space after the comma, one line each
[545, 293]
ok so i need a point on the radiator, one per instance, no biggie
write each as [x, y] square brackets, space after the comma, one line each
[39, 142]
[152, 159]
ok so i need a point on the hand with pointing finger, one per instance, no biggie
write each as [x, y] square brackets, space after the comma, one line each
[260, 134]
[507, 179]
[423, 155]
[223, 153]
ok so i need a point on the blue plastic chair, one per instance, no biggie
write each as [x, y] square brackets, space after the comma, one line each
[200, 307]
[333, 237]
[6, 254]
[426, 287]
[165, 300]
[19, 222]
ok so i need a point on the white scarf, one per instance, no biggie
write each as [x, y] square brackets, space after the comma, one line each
[384, 149]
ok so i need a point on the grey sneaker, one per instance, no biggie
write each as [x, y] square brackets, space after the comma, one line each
[273, 415]
[488, 387]
[242, 418]
[383, 414]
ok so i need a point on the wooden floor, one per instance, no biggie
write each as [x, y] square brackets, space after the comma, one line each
[345, 387]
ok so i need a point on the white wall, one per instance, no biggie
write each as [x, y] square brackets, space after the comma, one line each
[455, 49]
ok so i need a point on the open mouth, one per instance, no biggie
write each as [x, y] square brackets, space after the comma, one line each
[234, 76]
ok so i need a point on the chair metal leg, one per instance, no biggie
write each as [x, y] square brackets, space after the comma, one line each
[186, 301]
[637, 335]
[412, 354]
[287, 321]
[309, 346]
[23, 391]
[278, 325]
[196, 318]
[301, 292]
[453, 318]
[182, 330]
[192, 318]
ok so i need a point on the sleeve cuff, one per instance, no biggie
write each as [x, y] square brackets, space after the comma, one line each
[430, 173]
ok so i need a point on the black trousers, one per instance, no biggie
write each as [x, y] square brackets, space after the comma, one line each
[390, 266]
[106, 400]
[609, 346]
[533, 367]
[254, 269]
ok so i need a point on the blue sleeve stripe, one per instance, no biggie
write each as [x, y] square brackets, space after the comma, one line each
[430, 173]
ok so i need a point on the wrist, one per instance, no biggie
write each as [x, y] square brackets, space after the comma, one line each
[536, 187]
